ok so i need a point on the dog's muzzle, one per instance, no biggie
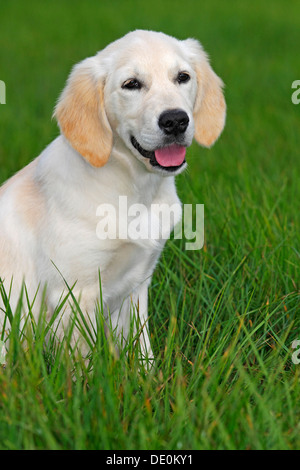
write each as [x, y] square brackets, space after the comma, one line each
[169, 158]
[174, 122]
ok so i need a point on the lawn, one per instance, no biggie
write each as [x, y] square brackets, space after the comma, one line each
[223, 318]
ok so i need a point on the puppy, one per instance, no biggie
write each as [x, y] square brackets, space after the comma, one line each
[126, 117]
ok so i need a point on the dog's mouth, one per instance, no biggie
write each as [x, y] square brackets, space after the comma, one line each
[169, 158]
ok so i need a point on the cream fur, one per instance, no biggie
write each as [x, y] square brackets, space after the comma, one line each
[48, 209]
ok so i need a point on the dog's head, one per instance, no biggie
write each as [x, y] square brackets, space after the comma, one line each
[150, 90]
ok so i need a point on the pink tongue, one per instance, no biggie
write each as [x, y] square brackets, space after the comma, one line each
[170, 156]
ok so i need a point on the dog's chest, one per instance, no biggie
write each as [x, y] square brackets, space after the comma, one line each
[131, 239]
[127, 264]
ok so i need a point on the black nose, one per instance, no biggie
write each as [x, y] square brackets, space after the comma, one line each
[174, 121]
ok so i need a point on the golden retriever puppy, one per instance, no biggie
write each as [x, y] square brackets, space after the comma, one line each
[127, 116]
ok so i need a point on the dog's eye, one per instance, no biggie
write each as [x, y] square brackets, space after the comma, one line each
[183, 77]
[132, 84]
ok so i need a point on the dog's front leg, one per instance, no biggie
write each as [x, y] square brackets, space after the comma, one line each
[143, 326]
[132, 317]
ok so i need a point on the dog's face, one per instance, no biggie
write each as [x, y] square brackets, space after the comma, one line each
[150, 96]
[150, 90]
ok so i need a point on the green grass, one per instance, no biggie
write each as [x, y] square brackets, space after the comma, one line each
[222, 318]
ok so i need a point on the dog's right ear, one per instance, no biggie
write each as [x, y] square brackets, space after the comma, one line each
[210, 106]
[81, 115]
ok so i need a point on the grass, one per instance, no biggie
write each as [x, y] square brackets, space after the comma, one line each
[222, 318]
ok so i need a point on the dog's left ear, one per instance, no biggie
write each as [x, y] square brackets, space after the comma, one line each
[210, 107]
[81, 114]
